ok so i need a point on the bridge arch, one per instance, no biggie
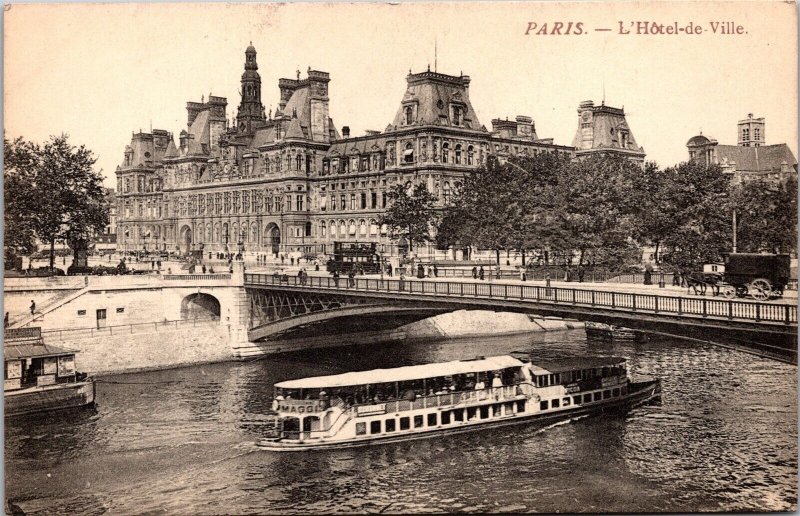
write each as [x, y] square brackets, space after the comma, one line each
[200, 306]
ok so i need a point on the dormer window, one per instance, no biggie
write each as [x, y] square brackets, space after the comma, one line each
[409, 114]
[457, 115]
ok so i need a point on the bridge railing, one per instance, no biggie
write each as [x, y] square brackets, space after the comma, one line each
[622, 301]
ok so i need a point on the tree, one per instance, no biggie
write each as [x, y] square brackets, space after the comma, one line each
[66, 197]
[411, 215]
[766, 216]
[20, 162]
[699, 204]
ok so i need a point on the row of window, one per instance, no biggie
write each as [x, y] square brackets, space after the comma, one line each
[545, 380]
[580, 399]
[446, 417]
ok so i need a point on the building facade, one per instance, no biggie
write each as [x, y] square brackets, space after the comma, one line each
[752, 159]
[289, 181]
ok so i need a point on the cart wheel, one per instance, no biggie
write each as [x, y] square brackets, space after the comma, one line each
[727, 291]
[760, 289]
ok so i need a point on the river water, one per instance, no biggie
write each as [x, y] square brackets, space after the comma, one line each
[723, 438]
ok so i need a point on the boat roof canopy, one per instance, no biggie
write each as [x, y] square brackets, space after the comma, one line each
[544, 366]
[402, 374]
[20, 351]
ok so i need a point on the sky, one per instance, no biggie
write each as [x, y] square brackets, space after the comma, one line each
[99, 72]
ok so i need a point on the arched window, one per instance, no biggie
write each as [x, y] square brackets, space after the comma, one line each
[298, 162]
[458, 154]
[342, 229]
[409, 115]
[352, 228]
[445, 152]
[323, 229]
[408, 153]
[470, 155]
[373, 227]
[446, 192]
[383, 229]
[362, 228]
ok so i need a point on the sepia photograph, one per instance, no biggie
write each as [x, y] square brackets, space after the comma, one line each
[400, 258]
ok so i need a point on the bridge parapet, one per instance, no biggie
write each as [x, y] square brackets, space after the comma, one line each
[620, 302]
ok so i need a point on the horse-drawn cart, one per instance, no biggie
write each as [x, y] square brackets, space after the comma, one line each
[761, 276]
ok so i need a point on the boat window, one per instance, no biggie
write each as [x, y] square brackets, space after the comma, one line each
[597, 396]
[458, 415]
[555, 403]
[576, 400]
[471, 413]
[557, 379]
[587, 398]
[606, 395]
[565, 402]
[615, 392]
[551, 379]
[390, 425]
[521, 406]
[496, 410]
[624, 390]
[484, 412]
[431, 419]
[375, 427]
[543, 405]
[418, 421]
[361, 429]
[405, 423]
[446, 417]
[509, 407]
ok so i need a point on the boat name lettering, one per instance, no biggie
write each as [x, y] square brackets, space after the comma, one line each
[380, 408]
[300, 406]
[572, 388]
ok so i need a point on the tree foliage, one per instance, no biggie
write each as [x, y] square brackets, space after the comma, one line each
[63, 197]
[601, 209]
[411, 214]
[20, 161]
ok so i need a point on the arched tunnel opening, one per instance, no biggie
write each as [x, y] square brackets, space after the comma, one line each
[200, 306]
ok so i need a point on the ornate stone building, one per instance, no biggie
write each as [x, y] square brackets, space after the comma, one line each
[288, 181]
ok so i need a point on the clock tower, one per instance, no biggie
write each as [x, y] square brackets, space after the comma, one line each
[250, 109]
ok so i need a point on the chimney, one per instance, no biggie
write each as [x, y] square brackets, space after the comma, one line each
[346, 132]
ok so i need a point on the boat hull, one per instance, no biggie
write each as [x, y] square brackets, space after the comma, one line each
[639, 394]
[52, 397]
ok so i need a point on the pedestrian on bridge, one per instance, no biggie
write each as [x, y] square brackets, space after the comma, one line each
[435, 271]
[33, 307]
[474, 273]
[481, 273]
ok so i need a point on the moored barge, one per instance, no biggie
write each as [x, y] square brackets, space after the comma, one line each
[384, 405]
[40, 377]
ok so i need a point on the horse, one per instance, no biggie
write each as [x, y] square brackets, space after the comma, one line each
[702, 281]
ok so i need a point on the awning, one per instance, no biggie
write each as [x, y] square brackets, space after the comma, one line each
[19, 351]
[402, 374]
[408, 152]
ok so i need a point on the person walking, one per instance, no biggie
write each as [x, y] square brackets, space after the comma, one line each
[5, 321]
[336, 279]
[474, 273]
[204, 268]
[435, 271]
[33, 307]
[402, 281]
[481, 273]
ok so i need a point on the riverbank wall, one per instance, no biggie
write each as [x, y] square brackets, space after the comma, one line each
[479, 323]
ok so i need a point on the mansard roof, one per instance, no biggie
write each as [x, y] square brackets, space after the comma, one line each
[756, 159]
[199, 143]
[433, 93]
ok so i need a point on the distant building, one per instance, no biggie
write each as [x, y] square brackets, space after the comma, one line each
[751, 159]
[604, 130]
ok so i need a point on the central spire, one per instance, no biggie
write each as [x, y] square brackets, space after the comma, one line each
[250, 108]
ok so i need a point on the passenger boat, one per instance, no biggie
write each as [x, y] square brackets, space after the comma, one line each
[41, 377]
[383, 405]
